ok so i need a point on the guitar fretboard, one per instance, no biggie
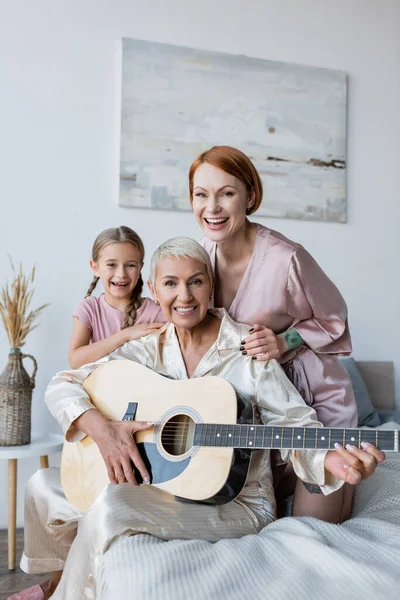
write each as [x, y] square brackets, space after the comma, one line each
[306, 438]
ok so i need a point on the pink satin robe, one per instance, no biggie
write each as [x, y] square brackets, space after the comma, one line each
[284, 287]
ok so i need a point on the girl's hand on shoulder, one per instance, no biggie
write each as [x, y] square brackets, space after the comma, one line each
[137, 331]
[353, 464]
[263, 344]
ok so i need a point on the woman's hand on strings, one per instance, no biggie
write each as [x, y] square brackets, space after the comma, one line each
[119, 451]
[353, 464]
[115, 440]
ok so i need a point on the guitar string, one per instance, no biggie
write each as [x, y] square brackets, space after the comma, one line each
[383, 435]
[338, 431]
[388, 434]
[310, 444]
[297, 444]
[172, 434]
[266, 445]
[171, 427]
[371, 432]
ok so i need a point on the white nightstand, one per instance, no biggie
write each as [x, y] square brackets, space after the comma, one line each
[42, 446]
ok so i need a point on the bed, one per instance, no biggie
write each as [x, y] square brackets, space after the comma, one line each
[289, 559]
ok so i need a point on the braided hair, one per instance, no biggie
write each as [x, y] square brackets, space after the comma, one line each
[115, 235]
[133, 304]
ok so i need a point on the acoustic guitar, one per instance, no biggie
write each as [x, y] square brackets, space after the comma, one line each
[199, 447]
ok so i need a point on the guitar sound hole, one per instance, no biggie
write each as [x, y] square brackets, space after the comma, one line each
[177, 435]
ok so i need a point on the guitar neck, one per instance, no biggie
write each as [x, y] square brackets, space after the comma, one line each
[302, 438]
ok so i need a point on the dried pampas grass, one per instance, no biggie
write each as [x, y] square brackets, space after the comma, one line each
[14, 307]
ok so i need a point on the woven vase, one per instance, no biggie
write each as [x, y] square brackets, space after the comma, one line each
[16, 400]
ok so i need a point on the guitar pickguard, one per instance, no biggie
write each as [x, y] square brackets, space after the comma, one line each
[159, 468]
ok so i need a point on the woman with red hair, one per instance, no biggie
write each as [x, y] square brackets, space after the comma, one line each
[294, 311]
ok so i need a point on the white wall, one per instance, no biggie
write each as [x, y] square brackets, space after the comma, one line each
[59, 150]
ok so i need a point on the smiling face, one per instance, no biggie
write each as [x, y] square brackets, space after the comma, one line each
[220, 202]
[183, 289]
[118, 266]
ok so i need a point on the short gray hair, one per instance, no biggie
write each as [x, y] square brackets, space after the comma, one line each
[183, 247]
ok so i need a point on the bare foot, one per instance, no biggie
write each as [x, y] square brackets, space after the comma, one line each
[47, 589]
[49, 586]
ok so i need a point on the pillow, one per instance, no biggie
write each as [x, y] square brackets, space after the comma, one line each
[367, 415]
[389, 416]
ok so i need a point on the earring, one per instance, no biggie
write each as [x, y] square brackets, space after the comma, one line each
[156, 302]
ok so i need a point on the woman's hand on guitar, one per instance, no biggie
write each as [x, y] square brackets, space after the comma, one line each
[353, 464]
[118, 449]
[263, 344]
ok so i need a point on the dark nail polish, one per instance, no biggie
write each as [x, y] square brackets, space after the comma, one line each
[252, 329]
[254, 358]
[244, 352]
[243, 342]
[241, 348]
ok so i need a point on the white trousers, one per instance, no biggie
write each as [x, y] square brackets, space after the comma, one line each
[55, 530]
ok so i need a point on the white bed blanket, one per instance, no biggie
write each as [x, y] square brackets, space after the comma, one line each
[292, 558]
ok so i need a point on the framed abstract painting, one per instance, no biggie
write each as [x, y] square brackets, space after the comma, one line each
[290, 119]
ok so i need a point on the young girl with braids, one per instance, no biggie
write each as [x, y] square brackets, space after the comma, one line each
[104, 323]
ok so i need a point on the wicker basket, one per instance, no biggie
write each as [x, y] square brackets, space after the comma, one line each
[15, 400]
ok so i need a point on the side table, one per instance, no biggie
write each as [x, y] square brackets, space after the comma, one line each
[42, 446]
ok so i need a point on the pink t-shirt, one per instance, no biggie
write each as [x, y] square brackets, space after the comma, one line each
[104, 320]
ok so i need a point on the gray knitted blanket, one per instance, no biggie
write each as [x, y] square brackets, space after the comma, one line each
[299, 559]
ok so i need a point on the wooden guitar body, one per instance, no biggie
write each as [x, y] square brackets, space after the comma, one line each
[205, 474]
